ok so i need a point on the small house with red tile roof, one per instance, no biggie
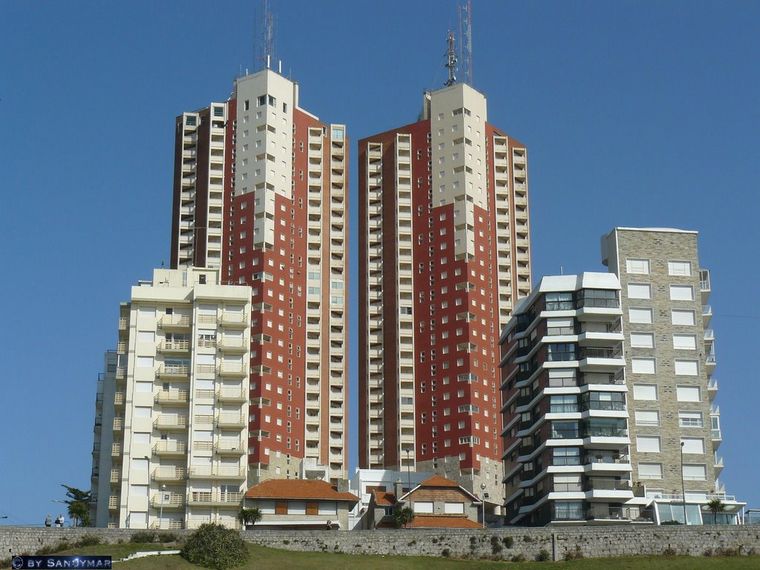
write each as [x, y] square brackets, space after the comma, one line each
[300, 504]
[437, 502]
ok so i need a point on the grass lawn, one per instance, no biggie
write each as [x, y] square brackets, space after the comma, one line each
[271, 559]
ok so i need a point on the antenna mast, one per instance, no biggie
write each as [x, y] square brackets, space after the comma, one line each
[465, 33]
[451, 60]
[266, 42]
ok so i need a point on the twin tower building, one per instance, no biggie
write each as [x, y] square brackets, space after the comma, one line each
[232, 366]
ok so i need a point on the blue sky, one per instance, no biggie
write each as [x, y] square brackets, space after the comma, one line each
[634, 113]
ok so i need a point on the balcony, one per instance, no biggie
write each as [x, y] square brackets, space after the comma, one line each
[602, 358]
[231, 421]
[232, 370]
[119, 399]
[167, 423]
[173, 397]
[234, 448]
[706, 314]
[232, 344]
[174, 322]
[233, 320]
[217, 473]
[174, 346]
[115, 476]
[176, 372]
[704, 283]
[113, 503]
[118, 424]
[168, 500]
[115, 450]
[212, 499]
[608, 514]
[167, 448]
[233, 395]
[169, 474]
[168, 525]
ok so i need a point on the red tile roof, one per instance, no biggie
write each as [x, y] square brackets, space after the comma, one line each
[298, 489]
[438, 481]
[383, 498]
[420, 521]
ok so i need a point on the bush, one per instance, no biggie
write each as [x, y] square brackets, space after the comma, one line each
[574, 555]
[508, 541]
[669, 552]
[88, 540]
[446, 552]
[496, 546]
[167, 537]
[543, 555]
[518, 558]
[143, 537]
[214, 546]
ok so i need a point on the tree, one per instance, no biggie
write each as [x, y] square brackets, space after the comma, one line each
[214, 546]
[715, 506]
[403, 516]
[249, 517]
[79, 505]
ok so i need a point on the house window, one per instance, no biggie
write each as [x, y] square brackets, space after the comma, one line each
[645, 392]
[639, 291]
[453, 508]
[640, 316]
[679, 268]
[647, 444]
[642, 340]
[423, 507]
[681, 293]
[639, 266]
[643, 365]
[688, 393]
[650, 471]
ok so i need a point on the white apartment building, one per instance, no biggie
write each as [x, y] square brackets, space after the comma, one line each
[173, 405]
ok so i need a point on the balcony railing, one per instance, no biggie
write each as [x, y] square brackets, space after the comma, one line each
[595, 484]
[217, 472]
[166, 447]
[174, 346]
[599, 352]
[564, 408]
[167, 422]
[604, 512]
[604, 405]
[167, 500]
[606, 432]
[174, 321]
[172, 397]
[598, 303]
[211, 498]
[231, 420]
[169, 474]
[608, 459]
[173, 370]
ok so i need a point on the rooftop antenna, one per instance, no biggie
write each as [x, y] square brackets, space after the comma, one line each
[451, 60]
[266, 41]
[465, 33]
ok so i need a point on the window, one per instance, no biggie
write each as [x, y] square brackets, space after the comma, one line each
[681, 317]
[681, 293]
[560, 352]
[645, 392]
[679, 268]
[643, 365]
[423, 507]
[639, 291]
[642, 340]
[559, 326]
[640, 316]
[647, 418]
[453, 508]
[144, 362]
[694, 472]
[690, 419]
[684, 342]
[693, 445]
[650, 471]
[640, 266]
[686, 368]
[296, 507]
[567, 456]
[648, 444]
[688, 393]
[328, 508]
[559, 302]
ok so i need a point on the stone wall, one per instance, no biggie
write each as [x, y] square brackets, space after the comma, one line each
[591, 542]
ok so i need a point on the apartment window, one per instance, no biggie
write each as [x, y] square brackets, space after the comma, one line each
[684, 342]
[681, 317]
[639, 291]
[687, 393]
[559, 302]
[645, 392]
[559, 327]
[423, 507]
[190, 120]
[694, 445]
[650, 471]
[686, 368]
[639, 266]
[567, 456]
[640, 316]
[647, 418]
[679, 268]
[642, 340]
[643, 365]
[648, 444]
[681, 293]
[694, 473]
[690, 419]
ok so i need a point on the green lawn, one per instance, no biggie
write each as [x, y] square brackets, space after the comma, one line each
[271, 559]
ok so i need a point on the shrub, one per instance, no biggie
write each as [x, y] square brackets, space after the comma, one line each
[508, 541]
[708, 552]
[543, 555]
[669, 551]
[435, 540]
[143, 537]
[574, 555]
[446, 552]
[167, 537]
[527, 538]
[88, 540]
[496, 546]
[518, 558]
[214, 546]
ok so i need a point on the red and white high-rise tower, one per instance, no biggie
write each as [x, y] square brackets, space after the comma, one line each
[444, 253]
[261, 191]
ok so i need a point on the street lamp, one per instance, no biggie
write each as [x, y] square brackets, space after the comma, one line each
[483, 502]
[683, 489]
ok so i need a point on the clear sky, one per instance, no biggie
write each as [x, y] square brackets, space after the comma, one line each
[634, 113]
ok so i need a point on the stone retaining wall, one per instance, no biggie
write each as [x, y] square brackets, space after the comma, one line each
[506, 543]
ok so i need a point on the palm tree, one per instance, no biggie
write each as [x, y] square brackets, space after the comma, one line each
[403, 516]
[249, 516]
[715, 506]
[79, 505]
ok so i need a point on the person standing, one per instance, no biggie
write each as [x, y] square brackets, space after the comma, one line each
[48, 521]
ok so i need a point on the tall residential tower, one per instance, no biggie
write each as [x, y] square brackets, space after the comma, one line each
[261, 192]
[444, 252]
